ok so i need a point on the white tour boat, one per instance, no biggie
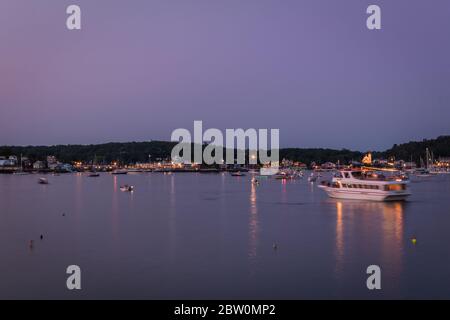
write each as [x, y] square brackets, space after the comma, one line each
[366, 185]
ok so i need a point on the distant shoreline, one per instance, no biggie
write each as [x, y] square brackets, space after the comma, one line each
[142, 152]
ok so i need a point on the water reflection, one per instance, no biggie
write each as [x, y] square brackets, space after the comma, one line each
[339, 237]
[315, 237]
[283, 191]
[394, 220]
[392, 249]
[383, 221]
[78, 195]
[253, 223]
[172, 219]
[115, 208]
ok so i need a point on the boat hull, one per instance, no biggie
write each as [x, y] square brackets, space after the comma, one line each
[119, 172]
[370, 196]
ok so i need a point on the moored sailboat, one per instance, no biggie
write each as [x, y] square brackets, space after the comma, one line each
[21, 172]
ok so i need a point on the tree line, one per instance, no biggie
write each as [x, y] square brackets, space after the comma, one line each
[133, 152]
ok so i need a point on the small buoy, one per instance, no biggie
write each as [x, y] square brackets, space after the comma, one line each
[414, 240]
[64, 214]
[274, 246]
[42, 237]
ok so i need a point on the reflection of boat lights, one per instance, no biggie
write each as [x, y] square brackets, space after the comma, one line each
[253, 223]
[339, 236]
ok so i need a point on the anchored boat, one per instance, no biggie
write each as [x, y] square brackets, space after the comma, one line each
[119, 171]
[366, 185]
[127, 188]
[94, 174]
[43, 181]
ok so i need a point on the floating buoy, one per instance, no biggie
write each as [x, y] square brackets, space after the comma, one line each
[414, 240]
[274, 246]
[42, 237]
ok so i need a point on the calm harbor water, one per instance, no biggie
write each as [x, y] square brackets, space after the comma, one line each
[211, 236]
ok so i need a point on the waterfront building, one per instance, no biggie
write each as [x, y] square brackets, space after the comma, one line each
[14, 161]
[380, 162]
[52, 162]
[367, 160]
[38, 165]
[328, 166]
[64, 167]
[443, 162]
[8, 163]
[409, 165]
[286, 163]
[300, 165]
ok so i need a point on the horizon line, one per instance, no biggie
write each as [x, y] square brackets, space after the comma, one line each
[167, 141]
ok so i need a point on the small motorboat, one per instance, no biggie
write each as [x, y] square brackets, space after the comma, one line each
[94, 174]
[422, 173]
[127, 188]
[131, 171]
[313, 178]
[237, 174]
[281, 176]
[119, 171]
[43, 181]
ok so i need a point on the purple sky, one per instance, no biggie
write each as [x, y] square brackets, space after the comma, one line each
[142, 68]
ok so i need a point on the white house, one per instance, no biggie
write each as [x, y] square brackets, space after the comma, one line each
[39, 165]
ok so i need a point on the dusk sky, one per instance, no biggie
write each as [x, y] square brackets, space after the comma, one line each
[139, 69]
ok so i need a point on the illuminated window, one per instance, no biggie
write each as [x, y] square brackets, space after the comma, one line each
[395, 187]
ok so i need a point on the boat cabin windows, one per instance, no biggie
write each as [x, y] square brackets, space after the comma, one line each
[395, 187]
[357, 174]
[345, 175]
[336, 185]
[362, 175]
[360, 186]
